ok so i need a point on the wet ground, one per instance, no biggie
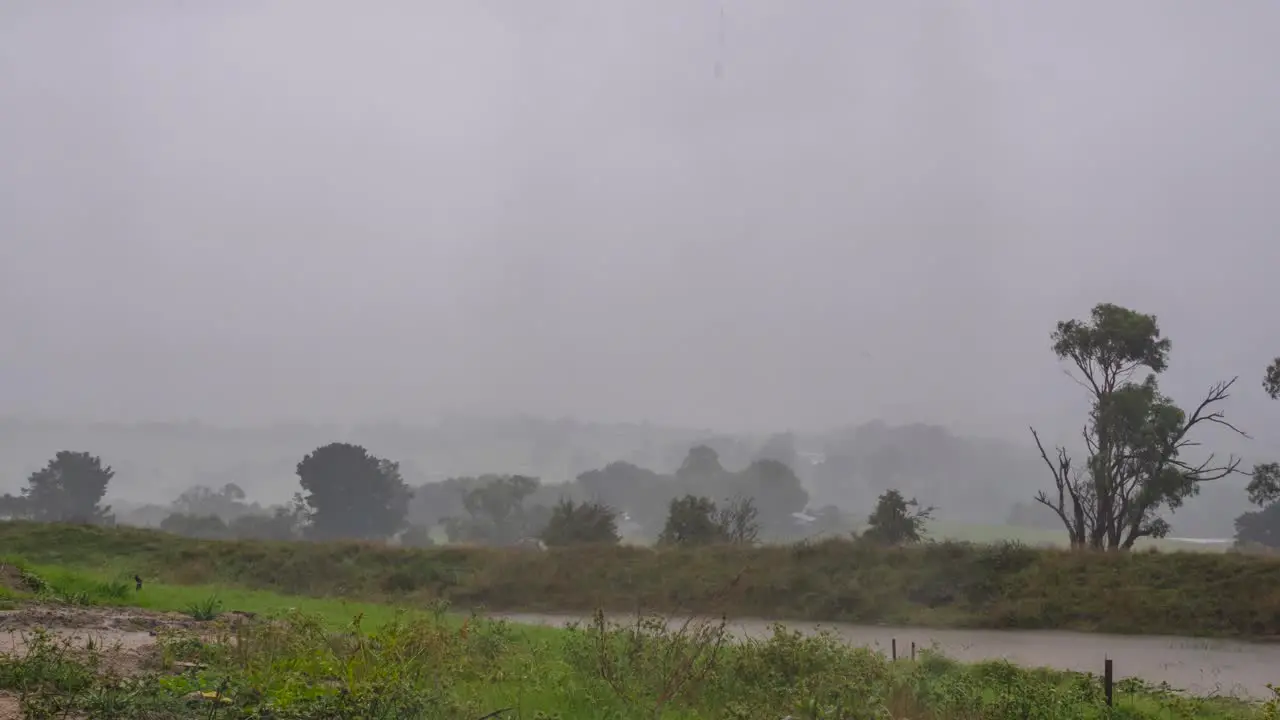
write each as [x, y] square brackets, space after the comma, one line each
[1199, 666]
[125, 637]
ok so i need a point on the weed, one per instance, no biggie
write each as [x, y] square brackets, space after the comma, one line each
[648, 664]
[112, 590]
[206, 609]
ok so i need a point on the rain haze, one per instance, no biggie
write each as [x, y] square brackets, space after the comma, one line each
[742, 215]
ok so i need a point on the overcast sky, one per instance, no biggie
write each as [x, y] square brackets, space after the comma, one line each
[728, 213]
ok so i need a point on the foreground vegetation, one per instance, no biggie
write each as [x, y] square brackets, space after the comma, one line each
[312, 661]
[938, 584]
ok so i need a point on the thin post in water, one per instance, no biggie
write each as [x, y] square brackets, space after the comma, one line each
[893, 645]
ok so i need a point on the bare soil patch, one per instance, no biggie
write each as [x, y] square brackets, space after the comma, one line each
[11, 579]
[124, 637]
[101, 619]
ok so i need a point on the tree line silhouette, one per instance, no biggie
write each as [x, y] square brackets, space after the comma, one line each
[1134, 470]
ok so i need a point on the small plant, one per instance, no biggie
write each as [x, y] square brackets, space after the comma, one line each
[648, 664]
[207, 609]
[34, 582]
[77, 597]
[1271, 708]
[112, 590]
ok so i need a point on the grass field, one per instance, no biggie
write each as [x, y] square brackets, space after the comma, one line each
[310, 658]
[1037, 537]
[941, 584]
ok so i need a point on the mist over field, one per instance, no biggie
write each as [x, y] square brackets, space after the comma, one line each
[538, 238]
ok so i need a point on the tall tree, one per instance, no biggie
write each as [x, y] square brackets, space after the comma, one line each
[1134, 435]
[496, 512]
[352, 494]
[638, 492]
[69, 488]
[896, 520]
[1260, 527]
[738, 521]
[12, 506]
[777, 493]
[226, 502]
[587, 523]
[692, 520]
[1263, 526]
[701, 465]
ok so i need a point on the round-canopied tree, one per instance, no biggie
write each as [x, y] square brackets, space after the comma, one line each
[69, 488]
[352, 494]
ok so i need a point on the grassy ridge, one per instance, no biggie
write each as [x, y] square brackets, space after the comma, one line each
[945, 584]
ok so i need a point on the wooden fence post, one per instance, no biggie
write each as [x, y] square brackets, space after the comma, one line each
[1108, 683]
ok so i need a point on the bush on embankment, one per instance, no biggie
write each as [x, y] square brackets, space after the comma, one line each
[943, 584]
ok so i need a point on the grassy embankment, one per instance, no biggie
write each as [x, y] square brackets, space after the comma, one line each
[963, 532]
[313, 661]
[945, 584]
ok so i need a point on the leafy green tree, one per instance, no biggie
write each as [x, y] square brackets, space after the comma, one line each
[691, 520]
[1134, 435]
[777, 494]
[695, 520]
[69, 488]
[587, 523]
[701, 468]
[227, 502]
[12, 506]
[896, 520]
[1260, 527]
[1264, 487]
[1263, 526]
[282, 524]
[641, 493]
[352, 494]
[496, 512]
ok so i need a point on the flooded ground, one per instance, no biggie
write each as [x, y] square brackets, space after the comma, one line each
[1197, 665]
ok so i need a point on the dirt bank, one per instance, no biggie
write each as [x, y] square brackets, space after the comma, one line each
[124, 637]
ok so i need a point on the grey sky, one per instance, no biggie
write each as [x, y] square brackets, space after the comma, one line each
[242, 211]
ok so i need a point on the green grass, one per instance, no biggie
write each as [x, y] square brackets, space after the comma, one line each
[316, 658]
[1038, 537]
[936, 584]
[161, 597]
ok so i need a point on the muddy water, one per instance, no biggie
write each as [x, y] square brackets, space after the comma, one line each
[1197, 665]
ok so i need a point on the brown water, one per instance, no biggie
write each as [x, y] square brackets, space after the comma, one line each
[1197, 665]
